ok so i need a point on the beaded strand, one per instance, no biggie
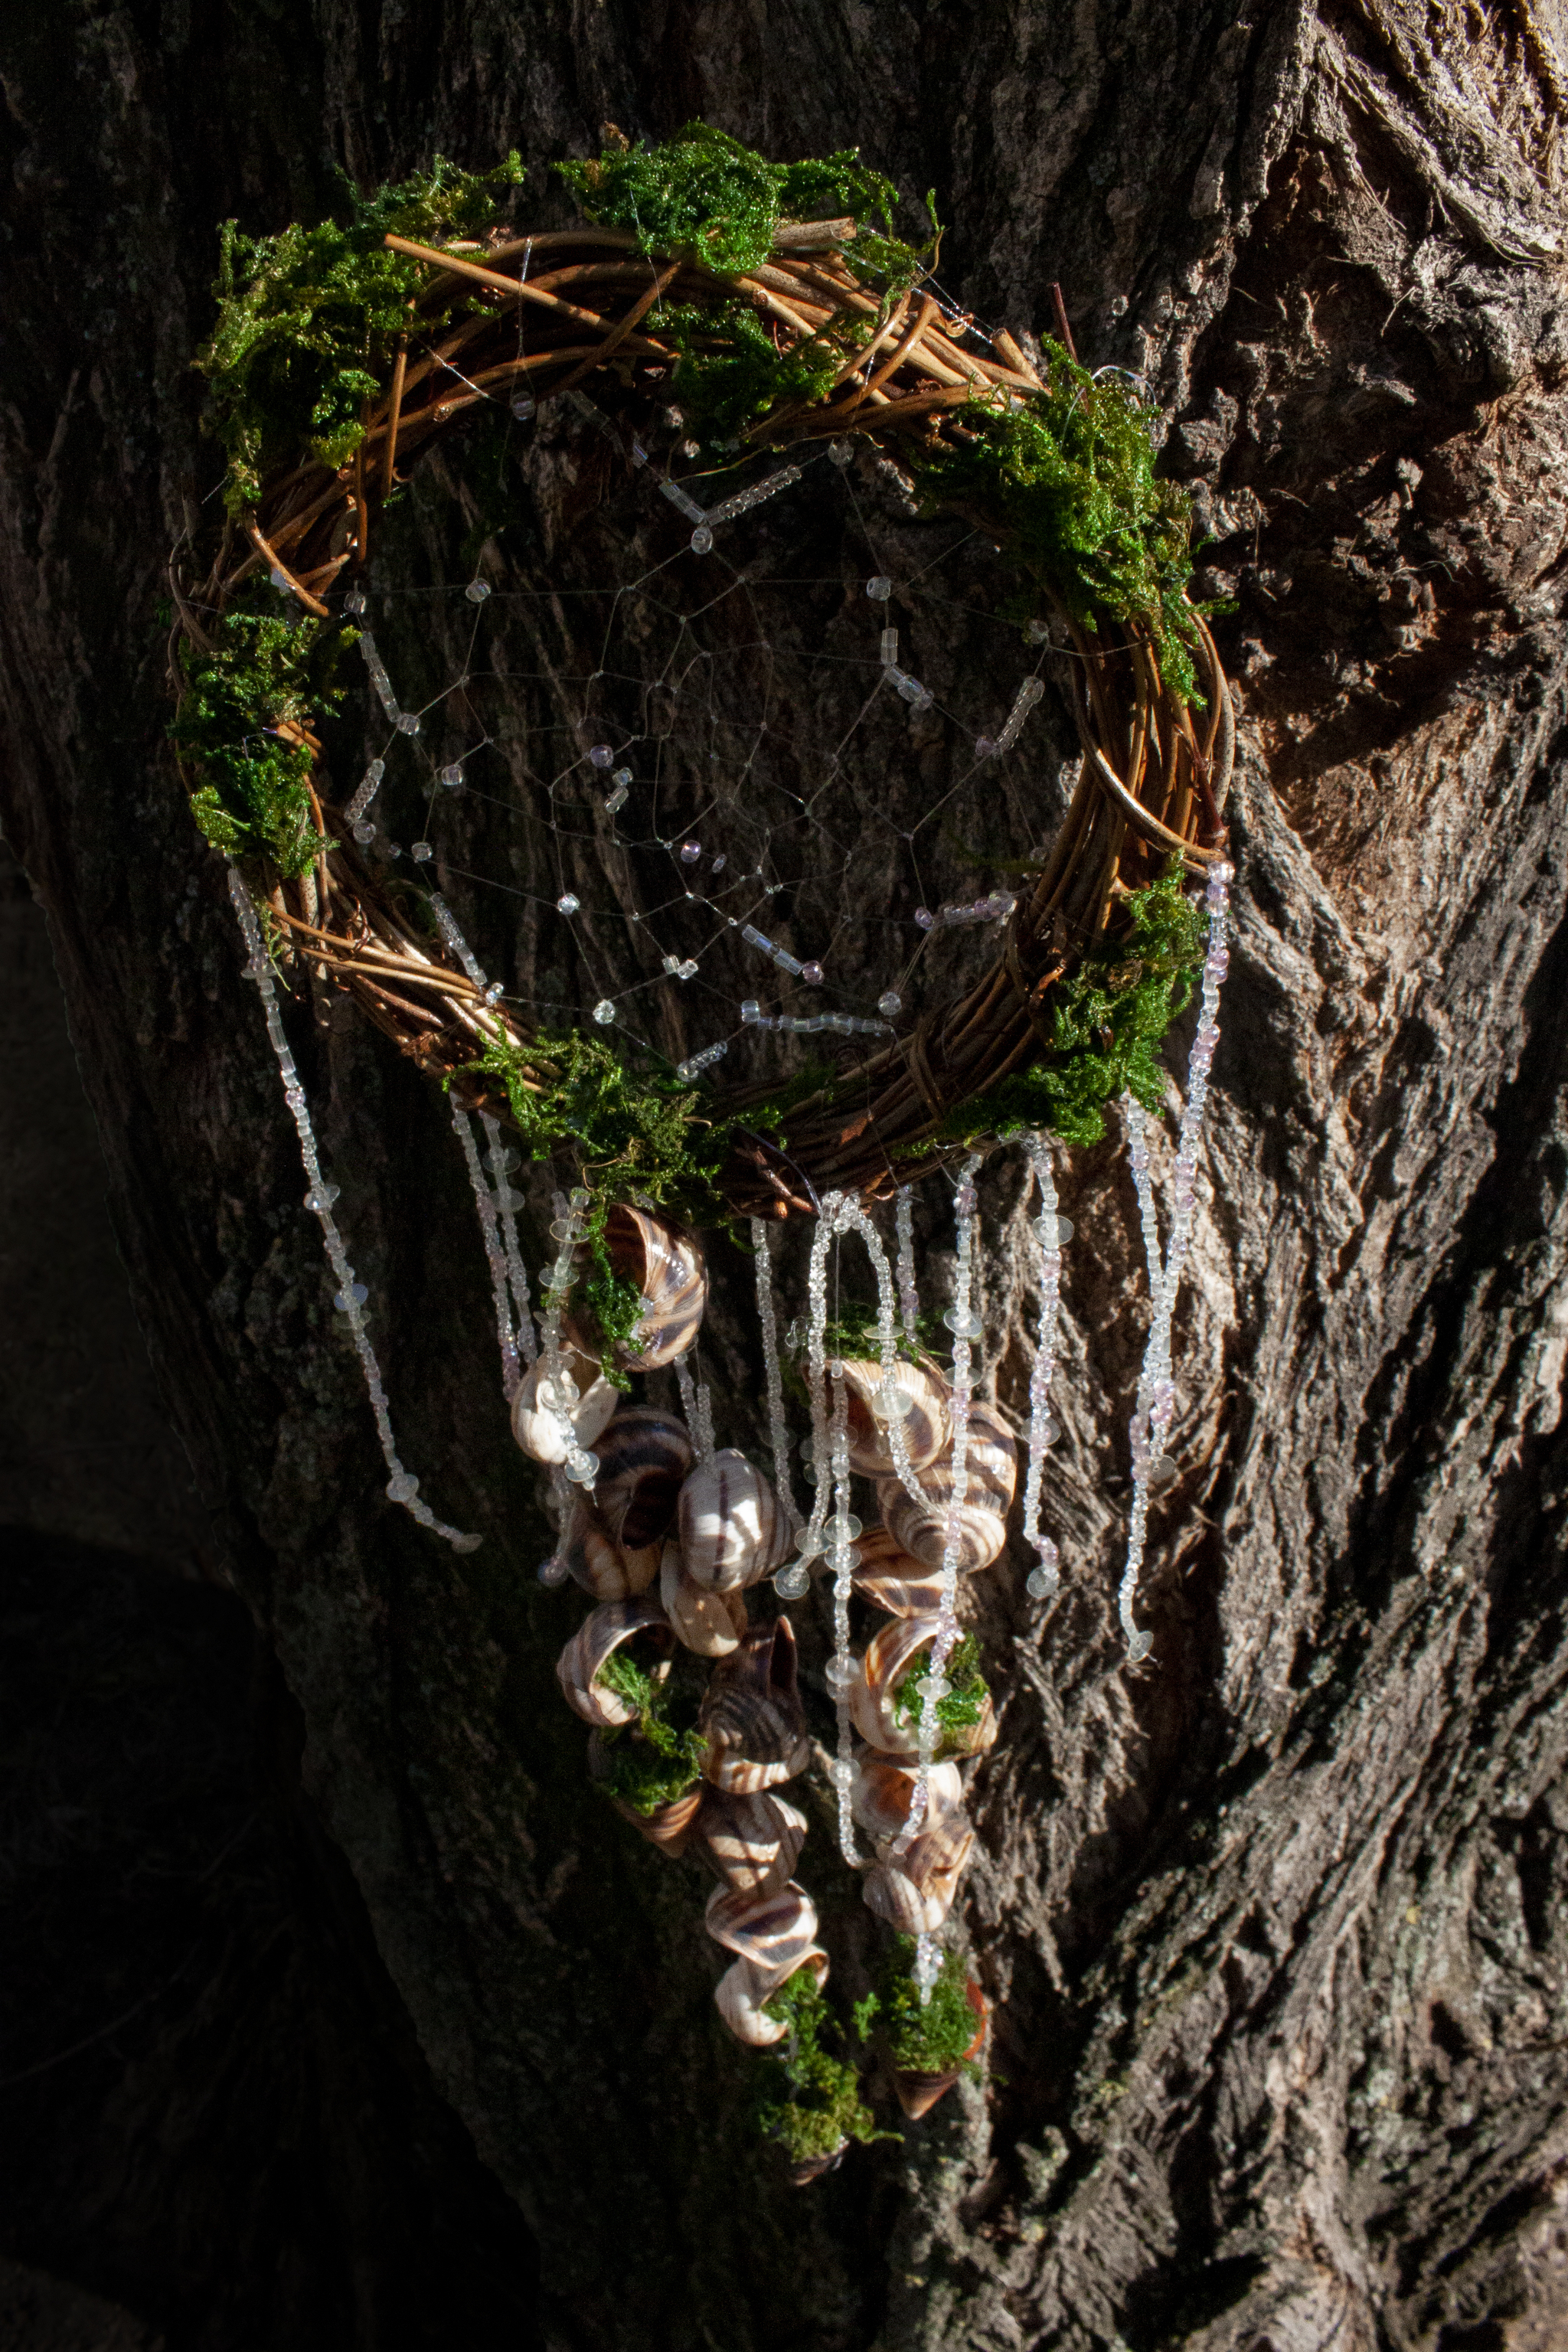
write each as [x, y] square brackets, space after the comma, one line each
[1044, 1581]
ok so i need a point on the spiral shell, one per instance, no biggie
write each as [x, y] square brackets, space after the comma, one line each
[645, 1457]
[992, 1463]
[915, 1892]
[753, 1842]
[889, 1656]
[893, 1580]
[744, 1989]
[732, 1528]
[712, 1623]
[668, 1826]
[603, 1631]
[928, 1427]
[665, 1264]
[883, 1790]
[751, 1714]
[538, 1429]
[774, 1930]
[594, 1561]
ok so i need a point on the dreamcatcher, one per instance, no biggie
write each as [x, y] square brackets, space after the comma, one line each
[715, 352]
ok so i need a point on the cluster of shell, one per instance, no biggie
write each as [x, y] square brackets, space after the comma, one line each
[668, 1547]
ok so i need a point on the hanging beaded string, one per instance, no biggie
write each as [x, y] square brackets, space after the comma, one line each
[495, 1256]
[402, 1486]
[696, 1404]
[891, 1404]
[501, 1160]
[793, 1579]
[778, 1428]
[964, 1327]
[1156, 1400]
[1044, 1581]
[843, 1667]
[909, 1295]
[581, 1467]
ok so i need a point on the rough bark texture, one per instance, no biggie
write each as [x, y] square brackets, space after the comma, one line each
[1272, 1928]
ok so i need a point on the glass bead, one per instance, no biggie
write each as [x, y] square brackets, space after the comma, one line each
[567, 904]
[603, 1011]
[355, 1295]
[452, 775]
[494, 993]
[600, 755]
[524, 406]
[890, 1003]
[984, 747]
[841, 1675]
[364, 831]
[1041, 1583]
[1037, 632]
[279, 579]
[464, 1543]
[891, 1402]
[421, 853]
[1065, 1229]
[477, 590]
[924, 918]
[751, 1010]
[408, 722]
[321, 1196]
[793, 1580]
[719, 864]
[701, 540]
[615, 801]
[847, 1528]
[402, 1486]
[1163, 1473]
[578, 1198]
[812, 972]
[582, 1470]
[690, 851]
[840, 453]
[879, 589]
[551, 1572]
[354, 602]
[935, 1688]
[964, 1326]
[1139, 1647]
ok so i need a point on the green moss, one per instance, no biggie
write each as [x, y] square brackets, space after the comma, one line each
[308, 319]
[658, 1759]
[963, 1700]
[731, 370]
[1110, 1018]
[853, 1333]
[805, 2095]
[262, 672]
[922, 2038]
[703, 193]
[1066, 478]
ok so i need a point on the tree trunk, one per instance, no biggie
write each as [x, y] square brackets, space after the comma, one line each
[1271, 1929]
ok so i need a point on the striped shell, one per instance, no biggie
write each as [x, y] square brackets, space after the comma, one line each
[665, 1265]
[602, 1631]
[927, 1429]
[992, 1474]
[539, 1431]
[894, 1580]
[732, 1528]
[744, 1989]
[891, 1655]
[645, 1457]
[751, 1714]
[667, 1827]
[883, 1791]
[915, 1892]
[590, 1556]
[712, 1623]
[775, 1931]
[753, 1842]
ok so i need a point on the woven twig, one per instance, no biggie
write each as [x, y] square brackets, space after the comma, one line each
[1152, 784]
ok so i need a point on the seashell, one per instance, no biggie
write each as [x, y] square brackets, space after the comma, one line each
[883, 1791]
[603, 1631]
[914, 1891]
[589, 1554]
[645, 1458]
[894, 1580]
[712, 1623]
[812, 2168]
[992, 1470]
[918, 2094]
[928, 1427]
[732, 1531]
[751, 1714]
[752, 1842]
[744, 1989]
[776, 1930]
[890, 1654]
[666, 1265]
[538, 1430]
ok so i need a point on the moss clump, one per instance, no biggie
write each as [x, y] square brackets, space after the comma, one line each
[964, 1699]
[731, 370]
[308, 319]
[703, 193]
[658, 1759]
[1067, 475]
[1111, 1019]
[262, 673]
[806, 2097]
[854, 1334]
[922, 2038]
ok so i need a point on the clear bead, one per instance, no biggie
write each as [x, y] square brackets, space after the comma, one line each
[582, 1469]
[840, 453]
[890, 1002]
[408, 722]
[1042, 1582]
[321, 1196]
[477, 590]
[879, 589]
[793, 1580]
[1065, 1229]
[600, 755]
[964, 1326]
[890, 1402]
[701, 540]
[841, 1675]
[984, 747]
[924, 918]
[356, 1295]
[421, 853]
[690, 851]
[524, 406]
[812, 972]
[568, 903]
[1163, 1473]
[452, 774]
[551, 1572]
[603, 1011]
[845, 1529]
[364, 831]
[402, 1486]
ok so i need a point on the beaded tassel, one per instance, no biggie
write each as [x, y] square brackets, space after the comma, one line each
[890, 1403]
[778, 1428]
[843, 1668]
[927, 1966]
[1044, 1581]
[402, 1486]
[909, 1295]
[503, 1159]
[495, 1256]
[696, 1404]
[580, 1466]
[1156, 1400]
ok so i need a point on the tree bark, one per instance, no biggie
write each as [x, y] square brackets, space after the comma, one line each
[1272, 1929]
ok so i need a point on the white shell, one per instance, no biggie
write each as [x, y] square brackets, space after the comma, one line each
[892, 1578]
[928, 1426]
[992, 1473]
[752, 1842]
[538, 1429]
[751, 1714]
[742, 1989]
[595, 1561]
[776, 1930]
[915, 1892]
[712, 1623]
[884, 1789]
[890, 1654]
[731, 1527]
[601, 1631]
